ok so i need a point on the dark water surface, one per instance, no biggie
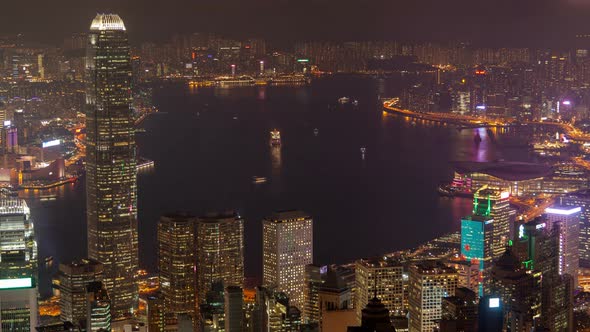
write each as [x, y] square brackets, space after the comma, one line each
[208, 143]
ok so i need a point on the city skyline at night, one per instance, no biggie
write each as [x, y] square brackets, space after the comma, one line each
[156, 167]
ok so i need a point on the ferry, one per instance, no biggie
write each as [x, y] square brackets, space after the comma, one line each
[316, 131]
[259, 179]
[275, 138]
[343, 100]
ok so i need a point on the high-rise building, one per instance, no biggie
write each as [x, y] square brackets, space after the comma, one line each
[477, 245]
[18, 305]
[220, 251]
[495, 204]
[287, 247]
[429, 283]
[73, 280]
[335, 303]
[382, 278]
[313, 282]
[18, 248]
[518, 291]
[234, 312]
[98, 317]
[176, 263]
[111, 171]
[581, 199]
[459, 312]
[155, 313]
[567, 220]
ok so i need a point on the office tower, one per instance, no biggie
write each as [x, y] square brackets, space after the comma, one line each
[459, 312]
[273, 313]
[429, 282]
[176, 263]
[566, 219]
[581, 199]
[518, 291]
[111, 171]
[18, 248]
[476, 245]
[313, 282]
[212, 310]
[495, 204]
[18, 304]
[98, 308]
[220, 251]
[557, 308]
[287, 247]
[155, 313]
[73, 280]
[382, 278]
[542, 255]
[375, 318]
[490, 314]
[234, 313]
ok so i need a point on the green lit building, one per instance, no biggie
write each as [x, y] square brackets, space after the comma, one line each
[111, 171]
[476, 244]
[495, 204]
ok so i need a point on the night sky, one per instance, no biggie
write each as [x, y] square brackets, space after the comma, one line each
[485, 22]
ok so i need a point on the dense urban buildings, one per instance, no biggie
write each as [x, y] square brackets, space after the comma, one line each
[111, 172]
[513, 122]
[287, 240]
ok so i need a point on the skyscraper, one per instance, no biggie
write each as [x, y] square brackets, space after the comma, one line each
[176, 263]
[476, 245]
[430, 281]
[73, 281]
[287, 247]
[18, 248]
[495, 204]
[234, 313]
[18, 305]
[111, 171]
[220, 251]
[567, 222]
[382, 278]
[581, 199]
[98, 308]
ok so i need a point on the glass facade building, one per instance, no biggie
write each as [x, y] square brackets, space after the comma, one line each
[111, 171]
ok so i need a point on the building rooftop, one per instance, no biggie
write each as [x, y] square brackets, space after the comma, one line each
[505, 170]
[288, 215]
[107, 22]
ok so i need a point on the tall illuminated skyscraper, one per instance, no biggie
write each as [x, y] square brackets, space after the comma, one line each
[176, 263]
[111, 171]
[566, 221]
[495, 204]
[287, 247]
[476, 245]
[220, 251]
[581, 199]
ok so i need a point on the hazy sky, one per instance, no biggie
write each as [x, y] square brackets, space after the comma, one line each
[493, 21]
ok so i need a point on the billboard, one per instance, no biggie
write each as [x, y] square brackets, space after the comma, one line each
[51, 143]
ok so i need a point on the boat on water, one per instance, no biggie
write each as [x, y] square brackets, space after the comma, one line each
[275, 138]
[343, 100]
[316, 131]
[355, 102]
[45, 198]
[259, 179]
